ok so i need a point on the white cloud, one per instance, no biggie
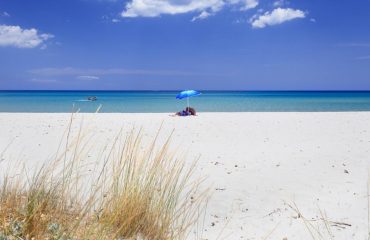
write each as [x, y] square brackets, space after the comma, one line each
[279, 3]
[202, 15]
[89, 78]
[5, 14]
[277, 16]
[15, 36]
[249, 4]
[244, 4]
[155, 8]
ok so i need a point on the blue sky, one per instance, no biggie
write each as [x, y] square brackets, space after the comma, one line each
[185, 44]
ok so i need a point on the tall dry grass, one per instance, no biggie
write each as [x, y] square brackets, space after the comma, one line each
[136, 191]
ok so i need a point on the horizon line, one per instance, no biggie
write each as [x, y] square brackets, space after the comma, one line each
[174, 90]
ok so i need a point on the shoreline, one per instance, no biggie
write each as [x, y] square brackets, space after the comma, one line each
[198, 113]
[256, 162]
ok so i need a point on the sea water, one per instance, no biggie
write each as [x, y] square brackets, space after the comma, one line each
[165, 101]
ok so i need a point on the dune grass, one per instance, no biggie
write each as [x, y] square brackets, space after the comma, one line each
[37, 210]
[136, 191]
[319, 228]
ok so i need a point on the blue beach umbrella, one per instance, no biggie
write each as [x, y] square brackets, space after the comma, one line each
[187, 94]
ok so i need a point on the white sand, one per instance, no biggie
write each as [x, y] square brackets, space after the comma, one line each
[257, 161]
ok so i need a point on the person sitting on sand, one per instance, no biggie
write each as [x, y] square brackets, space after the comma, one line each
[189, 111]
[183, 113]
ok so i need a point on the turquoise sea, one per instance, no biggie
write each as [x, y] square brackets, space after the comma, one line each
[165, 101]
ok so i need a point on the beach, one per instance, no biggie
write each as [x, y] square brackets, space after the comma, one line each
[260, 166]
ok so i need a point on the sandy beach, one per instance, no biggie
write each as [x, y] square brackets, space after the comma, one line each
[257, 164]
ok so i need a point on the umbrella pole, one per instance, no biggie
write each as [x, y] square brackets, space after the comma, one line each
[188, 102]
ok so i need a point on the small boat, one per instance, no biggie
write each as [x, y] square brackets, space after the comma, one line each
[92, 98]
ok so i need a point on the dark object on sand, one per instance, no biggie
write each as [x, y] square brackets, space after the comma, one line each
[183, 113]
[92, 98]
[189, 111]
